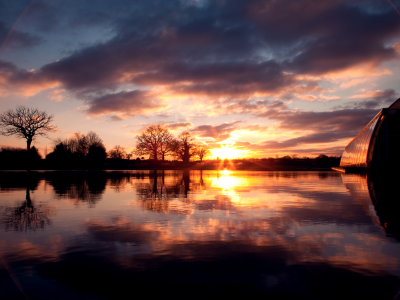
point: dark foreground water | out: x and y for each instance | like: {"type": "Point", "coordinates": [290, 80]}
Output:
{"type": "Point", "coordinates": [198, 234]}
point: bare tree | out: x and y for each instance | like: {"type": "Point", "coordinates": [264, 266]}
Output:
{"type": "Point", "coordinates": [81, 146]}
{"type": "Point", "coordinates": [155, 141]}
{"type": "Point", "coordinates": [93, 139]}
{"type": "Point", "coordinates": [26, 123]}
{"type": "Point", "coordinates": [186, 147]}
{"type": "Point", "coordinates": [117, 152]}
{"type": "Point", "coordinates": [202, 151]}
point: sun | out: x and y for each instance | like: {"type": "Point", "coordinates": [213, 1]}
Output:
{"type": "Point", "coordinates": [227, 152]}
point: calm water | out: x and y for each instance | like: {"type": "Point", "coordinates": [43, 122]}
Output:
{"type": "Point", "coordinates": [181, 234]}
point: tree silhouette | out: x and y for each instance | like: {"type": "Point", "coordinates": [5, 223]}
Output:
{"type": "Point", "coordinates": [202, 151]}
{"type": "Point", "coordinates": [80, 145]}
{"type": "Point", "coordinates": [117, 152]}
{"type": "Point", "coordinates": [186, 147]}
{"type": "Point", "coordinates": [26, 123]}
{"type": "Point", "coordinates": [156, 141]}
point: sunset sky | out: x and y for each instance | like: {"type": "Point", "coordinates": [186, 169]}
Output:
{"type": "Point", "coordinates": [265, 78]}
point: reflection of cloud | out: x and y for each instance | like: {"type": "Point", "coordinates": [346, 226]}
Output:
{"type": "Point", "coordinates": [122, 231]}
{"type": "Point", "coordinates": [290, 233]}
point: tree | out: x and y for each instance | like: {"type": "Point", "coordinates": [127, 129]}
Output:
{"type": "Point", "coordinates": [155, 141]}
{"type": "Point", "coordinates": [96, 150]}
{"type": "Point", "coordinates": [26, 123]}
{"type": "Point", "coordinates": [202, 151]}
{"type": "Point", "coordinates": [186, 147]}
{"type": "Point", "coordinates": [79, 146]}
{"type": "Point", "coordinates": [117, 152]}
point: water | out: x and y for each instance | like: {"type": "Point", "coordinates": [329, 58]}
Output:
{"type": "Point", "coordinates": [196, 234]}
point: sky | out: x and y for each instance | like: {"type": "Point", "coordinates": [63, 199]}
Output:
{"type": "Point", "coordinates": [249, 78]}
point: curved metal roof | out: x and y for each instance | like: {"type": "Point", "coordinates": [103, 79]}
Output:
{"type": "Point", "coordinates": [359, 152]}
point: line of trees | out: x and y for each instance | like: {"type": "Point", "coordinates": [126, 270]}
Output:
{"type": "Point", "coordinates": [80, 146]}
{"type": "Point", "coordinates": [157, 142]}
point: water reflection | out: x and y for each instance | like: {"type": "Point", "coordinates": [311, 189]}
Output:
{"type": "Point", "coordinates": [379, 195]}
{"type": "Point", "coordinates": [278, 235]}
{"type": "Point", "coordinates": [26, 216]}
{"type": "Point", "coordinates": [78, 186]}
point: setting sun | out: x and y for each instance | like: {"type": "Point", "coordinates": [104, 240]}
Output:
{"type": "Point", "coordinates": [227, 152]}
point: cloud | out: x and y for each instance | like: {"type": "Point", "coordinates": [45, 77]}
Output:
{"type": "Point", "coordinates": [178, 125]}
{"type": "Point", "coordinates": [254, 127]}
{"type": "Point", "coordinates": [225, 55]}
{"type": "Point", "coordinates": [23, 82]}
{"type": "Point", "coordinates": [377, 99]}
{"type": "Point", "coordinates": [338, 120]}
{"type": "Point", "coordinates": [376, 94]}
{"type": "Point", "coordinates": [317, 127]}
{"type": "Point", "coordinates": [57, 95]}
{"type": "Point", "coordinates": [353, 82]}
{"type": "Point", "coordinates": [16, 39]}
{"type": "Point", "coordinates": [220, 132]}
{"type": "Point", "coordinates": [315, 138]}
{"type": "Point", "coordinates": [125, 104]}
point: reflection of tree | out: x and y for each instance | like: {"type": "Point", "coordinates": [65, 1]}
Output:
{"type": "Point", "coordinates": [27, 216]}
{"type": "Point", "coordinates": [79, 186]}
{"type": "Point", "coordinates": [156, 194]}
{"type": "Point", "coordinates": [20, 180]}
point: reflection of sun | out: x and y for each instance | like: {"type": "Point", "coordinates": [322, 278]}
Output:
{"type": "Point", "coordinates": [227, 184]}
{"type": "Point", "coordinates": [226, 172]}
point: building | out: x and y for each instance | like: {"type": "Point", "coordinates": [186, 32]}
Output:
{"type": "Point", "coordinates": [378, 144]}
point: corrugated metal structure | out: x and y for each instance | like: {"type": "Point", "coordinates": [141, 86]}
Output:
{"type": "Point", "coordinates": [378, 143]}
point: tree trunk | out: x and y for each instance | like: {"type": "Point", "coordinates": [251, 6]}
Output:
{"type": "Point", "coordinates": [155, 155]}
{"type": "Point", "coordinates": [28, 153]}
{"type": "Point", "coordinates": [28, 144]}
{"type": "Point", "coordinates": [186, 156]}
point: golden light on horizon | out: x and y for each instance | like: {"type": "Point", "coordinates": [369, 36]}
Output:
{"type": "Point", "coordinates": [227, 151]}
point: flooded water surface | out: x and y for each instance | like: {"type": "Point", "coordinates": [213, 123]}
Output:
{"type": "Point", "coordinates": [197, 234]}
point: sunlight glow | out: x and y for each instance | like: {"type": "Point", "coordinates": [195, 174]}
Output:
{"type": "Point", "coordinates": [226, 172]}
{"type": "Point", "coordinates": [226, 151]}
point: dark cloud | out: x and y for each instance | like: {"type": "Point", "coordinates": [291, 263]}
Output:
{"type": "Point", "coordinates": [233, 49]}
{"type": "Point", "coordinates": [239, 54]}
{"type": "Point", "coordinates": [127, 103]}
{"type": "Point", "coordinates": [375, 99]}
{"type": "Point", "coordinates": [345, 120]}
{"type": "Point", "coordinates": [16, 39]}
{"type": "Point", "coordinates": [219, 132]}
{"type": "Point", "coordinates": [318, 127]}
{"type": "Point", "coordinates": [315, 138]}
{"type": "Point", "coordinates": [24, 82]}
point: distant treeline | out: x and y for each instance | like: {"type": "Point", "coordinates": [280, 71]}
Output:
{"type": "Point", "coordinates": [11, 154]}
{"type": "Point", "coordinates": [88, 152]}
